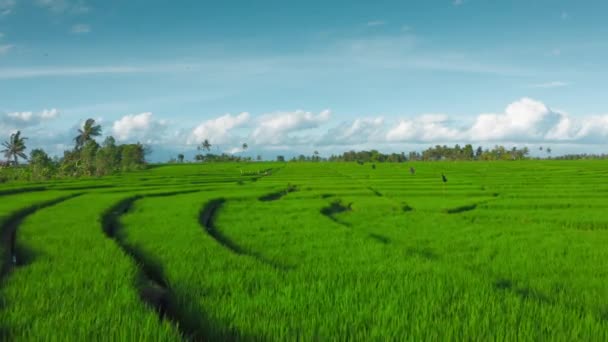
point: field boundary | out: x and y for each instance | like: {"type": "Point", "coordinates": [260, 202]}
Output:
{"type": "Point", "coordinates": [11, 225]}
{"type": "Point", "coordinates": [152, 287]}
{"type": "Point", "coordinates": [206, 220]}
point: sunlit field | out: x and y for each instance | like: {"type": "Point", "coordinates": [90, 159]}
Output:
{"type": "Point", "coordinates": [310, 251]}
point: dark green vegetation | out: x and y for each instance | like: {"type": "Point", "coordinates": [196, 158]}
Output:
{"type": "Point", "coordinates": [315, 251]}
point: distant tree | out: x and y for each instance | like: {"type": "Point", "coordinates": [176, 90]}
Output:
{"type": "Point", "coordinates": [549, 151]}
{"type": "Point", "coordinates": [41, 164]}
{"type": "Point", "coordinates": [205, 146]}
{"type": "Point", "coordinates": [107, 160]}
{"type": "Point", "coordinates": [180, 158]}
{"type": "Point", "coordinates": [88, 132]}
{"type": "Point", "coordinates": [15, 148]}
{"type": "Point", "coordinates": [258, 158]}
{"type": "Point", "coordinates": [132, 156]}
{"type": "Point", "coordinates": [316, 153]}
{"type": "Point", "coordinates": [478, 152]}
{"type": "Point", "coordinates": [88, 158]}
{"type": "Point", "coordinates": [280, 158]}
{"type": "Point", "coordinates": [245, 146]}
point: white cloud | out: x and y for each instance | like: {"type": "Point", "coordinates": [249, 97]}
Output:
{"type": "Point", "coordinates": [276, 128]}
{"type": "Point", "coordinates": [6, 7]}
{"type": "Point", "coordinates": [49, 114]}
{"type": "Point", "coordinates": [426, 128]}
{"type": "Point", "coordinates": [359, 131]}
{"type": "Point", "coordinates": [20, 120]}
{"type": "Point", "coordinates": [218, 130]}
{"type": "Point", "coordinates": [81, 29]}
{"type": "Point", "coordinates": [554, 84]}
{"type": "Point", "coordinates": [523, 119]}
{"type": "Point", "coordinates": [140, 127]}
{"type": "Point", "coordinates": [32, 124]}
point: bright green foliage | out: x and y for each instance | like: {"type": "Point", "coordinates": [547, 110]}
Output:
{"type": "Point", "coordinates": [320, 251]}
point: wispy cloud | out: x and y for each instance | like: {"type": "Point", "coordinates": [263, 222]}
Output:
{"type": "Point", "coordinates": [5, 48]}
{"type": "Point", "coordinates": [66, 71]}
{"type": "Point", "coordinates": [6, 7]}
{"type": "Point", "coordinates": [64, 6]}
{"type": "Point", "coordinates": [457, 2]}
{"type": "Point", "coordinates": [375, 23]}
{"type": "Point", "coordinates": [554, 84]}
{"type": "Point", "coordinates": [81, 29]}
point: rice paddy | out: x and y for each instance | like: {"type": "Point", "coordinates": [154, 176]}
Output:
{"type": "Point", "coordinates": [310, 251]}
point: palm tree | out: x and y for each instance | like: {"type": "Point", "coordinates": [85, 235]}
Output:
{"type": "Point", "coordinates": [180, 158]}
{"type": "Point", "coordinates": [15, 148]}
{"type": "Point", "coordinates": [245, 146]}
{"type": "Point", "coordinates": [205, 146]}
{"type": "Point", "coordinates": [89, 131]}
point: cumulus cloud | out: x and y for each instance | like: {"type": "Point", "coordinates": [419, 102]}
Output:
{"type": "Point", "coordinates": [426, 128]}
{"type": "Point", "coordinates": [523, 120]}
{"type": "Point", "coordinates": [20, 120]}
{"type": "Point", "coordinates": [359, 131]}
{"type": "Point", "coordinates": [81, 29]}
{"type": "Point", "coordinates": [219, 130]}
{"type": "Point", "coordinates": [278, 128]}
{"type": "Point", "coordinates": [141, 127]}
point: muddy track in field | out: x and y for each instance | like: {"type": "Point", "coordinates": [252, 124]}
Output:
{"type": "Point", "coordinates": [206, 220]}
{"type": "Point", "coordinates": [8, 236]}
{"type": "Point", "coordinates": [153, 288]}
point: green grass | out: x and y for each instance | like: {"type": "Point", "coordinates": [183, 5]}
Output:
{"type": "Point", "coordinates": [503, 250]}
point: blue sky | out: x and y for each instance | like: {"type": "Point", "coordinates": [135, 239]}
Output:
{"type": "Point", "coordinates": [293, 77]}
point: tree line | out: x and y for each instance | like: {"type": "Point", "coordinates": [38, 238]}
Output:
{"type": "Point", "coordinates": [87, 158]}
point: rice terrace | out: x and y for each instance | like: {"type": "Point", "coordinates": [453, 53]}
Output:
{"type": "Point", "coordinates": [303, 170]}
{"type": "Point", "coordinates": [310, 251]}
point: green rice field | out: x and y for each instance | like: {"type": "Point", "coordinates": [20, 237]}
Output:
{"type": "Point", "coordinates": [310, 251]}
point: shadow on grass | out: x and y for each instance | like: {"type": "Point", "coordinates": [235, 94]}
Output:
{"type": "Point", "coordinates": [206, 220]}
{"type": "Point", "coordinates": [153, 288]}
{"type": "Point", "coordinates": [21, 190]}
{"type": "Point", "coordinates": [380, 238]}
{"type": "Point", "coordinates": [277, 195]}
{"type": "Point", "coordinates": [8, 237]}
{"type": "Point", "coordinates": [336, 207]}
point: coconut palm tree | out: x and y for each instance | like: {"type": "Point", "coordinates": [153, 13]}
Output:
{"type": "Point", "coordinates": [15, 148]}
{"type": "Point", "coordinates": [88, 132]}
{"type": "Point", "coordinates": [245, 146]}
{"type": "Point", "coordinates": [205, 146]}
